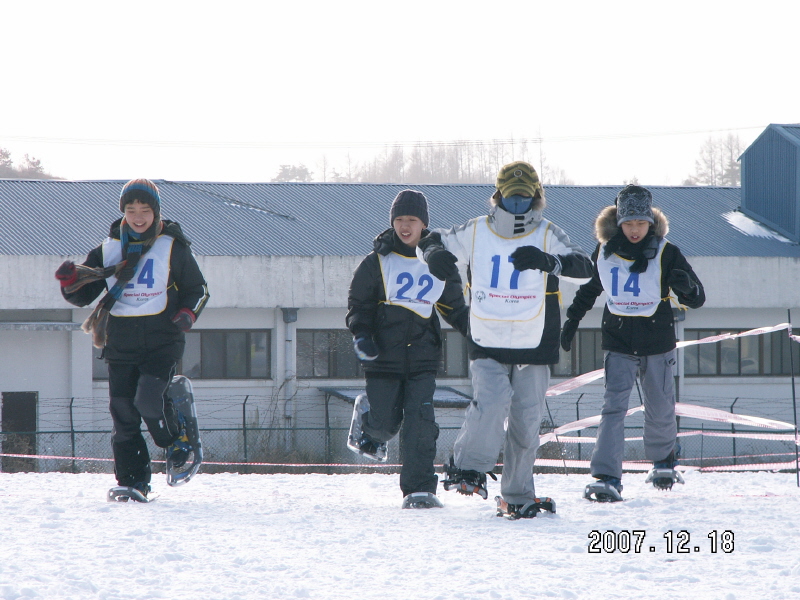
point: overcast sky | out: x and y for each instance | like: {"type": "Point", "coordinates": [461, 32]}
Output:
{"type": "Point", "coordinates": [228, 91]}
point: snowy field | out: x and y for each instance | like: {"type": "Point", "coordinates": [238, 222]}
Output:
{"type": "Point", "coordinates": [248, 537]}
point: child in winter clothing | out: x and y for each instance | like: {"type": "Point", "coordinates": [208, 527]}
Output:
{"type": "Point", "coordinates": [398, 338]}
{"type": "Point", "coordinates": [514, 258]}
{"type": "Point", "coordinates": [154, 292]}
{"type": "Point", "coordinates": [636, 266]}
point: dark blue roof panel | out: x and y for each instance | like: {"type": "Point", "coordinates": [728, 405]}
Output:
{"type": "Point", "coordinates": [54, 217]}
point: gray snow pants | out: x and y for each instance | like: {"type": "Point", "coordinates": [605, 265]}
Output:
{"type": "Point", "coordinates": [660, 427]}
{"type": "Point", "coordinates": [515, 392]}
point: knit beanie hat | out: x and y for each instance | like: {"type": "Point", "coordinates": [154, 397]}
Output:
{"type": "Point", "coordinates": [409, 203]}
{"type": "Point", "coordinates": [634, 203]}
{"type": "Point", "coordinates": [143, 190]}
{"type": "Point", "coordinates": [519, 178]}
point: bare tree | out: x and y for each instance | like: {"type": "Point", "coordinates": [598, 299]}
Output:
{"type": "Point", "coordinates": [718, 162]}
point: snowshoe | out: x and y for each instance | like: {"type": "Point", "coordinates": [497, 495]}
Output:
{"type": "Point", "coordinates": [122, 493]}
{"type": "Point", "coordinates": [524, 511]}
{"type": "Point", "coordinates": [185, 455]}
{"type": "Point", "coordinates": [422, 500]}
{"type": "Point", "coordinates": [357, 440]}
{"type": "Point", "coordinates": [664, 478]}
{"type": "Point", "coordinates": [606, 489]}
{"type": "Point", "coordinates": [663, 475]}
{"type": "Point", "coordinates": [465, 482]}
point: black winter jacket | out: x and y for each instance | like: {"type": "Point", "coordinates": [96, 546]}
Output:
{"type": "Point", "coordinates": [134, 339]}
{"type": "Point", "coordinates": [638, 336]}
{"type": "Point", "coordinates": [407, 342]}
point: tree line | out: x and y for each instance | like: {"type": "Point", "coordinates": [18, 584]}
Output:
{"type": "Point", "coordinates": [31, 168]}
{"type": "Point", "coordinates": [478, 162]}
{"type": "Point", "coordinates": [447, 162]}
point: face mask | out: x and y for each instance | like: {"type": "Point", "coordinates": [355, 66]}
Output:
{"type": "Point", "coordinates": [516, 204]}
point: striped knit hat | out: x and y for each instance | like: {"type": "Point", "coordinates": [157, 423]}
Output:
{"type": "Point", "coordinates": [143, 190]}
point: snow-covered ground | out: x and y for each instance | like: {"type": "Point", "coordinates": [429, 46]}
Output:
{"type": "Point", "coordinates": [230, 536]}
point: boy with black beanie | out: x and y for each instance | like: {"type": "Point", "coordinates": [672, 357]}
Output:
{"type": "Point", "coordinates": [154, 292]}
{"type": "Point", "coordinates": [637, 267]}
{"type": "Point", "coordinates": [397, 337]}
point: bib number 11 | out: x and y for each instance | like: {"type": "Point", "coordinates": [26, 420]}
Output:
{"type": "Point", "coordinates": [631, 284]}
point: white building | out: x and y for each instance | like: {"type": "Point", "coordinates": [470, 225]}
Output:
{"type": "Point", "coordinates": [278, 258]}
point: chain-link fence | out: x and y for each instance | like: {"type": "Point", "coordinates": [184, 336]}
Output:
{"type": "Point", "coordinates": [247, 434]}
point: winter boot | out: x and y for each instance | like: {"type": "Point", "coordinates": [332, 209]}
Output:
{"type": "Point", "coordinates": [527, 510]}
{"type": "Point", "coordinates": [606, 489]}
{"type": "Point", "coordinates": [465, 482]}
{"type": "Point", "coordinates": [358, 441]}
{"type": "Point", "coordinates": [663, 475]}
{"type": "Point", "coordinates": [422, 500]}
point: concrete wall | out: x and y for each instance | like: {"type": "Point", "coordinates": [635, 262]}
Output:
{"type": "Point", "coordinates": [249, 291]}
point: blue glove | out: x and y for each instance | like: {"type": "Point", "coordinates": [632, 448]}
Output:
{"type": "Point", "coordinates": [365, 348]}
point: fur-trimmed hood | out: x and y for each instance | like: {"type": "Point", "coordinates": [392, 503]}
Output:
{"type": "Point", "coordinates": [605, 227]}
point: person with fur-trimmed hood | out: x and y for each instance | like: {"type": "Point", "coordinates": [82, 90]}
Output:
{"type": "Point", "coordinates": [152, 293]}
{"type": "Point", "coordinates": [393, 313]}
{"type": "Point", "coordinates": [637, 267]}
{"type": "Point", "coordinates": [514, 258]}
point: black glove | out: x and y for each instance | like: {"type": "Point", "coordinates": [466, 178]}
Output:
{"type": "Point", "coordinates": [568, 333]}
{"type": "Point", "coordinates": [530, 257]}
{"type": "Point", "coordinates": [442, 264]}
{"type": "Point", "coordinates": [680, 281]}
{"type": "Point", "coordinates": [67, 273]}
{"type": "Point", "coordinates": [365, 348]}
{"type": "Point", "coordinates": [184, 319]}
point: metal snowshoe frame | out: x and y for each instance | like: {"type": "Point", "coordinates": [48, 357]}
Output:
{"type": "Point", "coordinates": [602, 491]}
{"type": "Point", "coordinates": [422, 500]}
{"type": "Point", "coordinates": [123, 493]}
{"type": "Point", "coordinates": [361, 406]}
{"type": "Point", "coordinates": [465, 482]}
{"type": "Point", "coordinates": [182, 395]}
{"type": "Point", "coordinates": [529, 510]}
{"type": "Point", "coordinates": [664, 478]}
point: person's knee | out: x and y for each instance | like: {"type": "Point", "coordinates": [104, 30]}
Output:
{"type": "Point", "coordinates": [149, 400]}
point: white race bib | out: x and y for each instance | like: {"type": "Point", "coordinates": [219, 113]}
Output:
{"type": "Point", "coordinates": [507, 306]}
{"type": "Point", "coordinates": [631, 294]}
{"type": "Point", "coordinates": [146, 292]}
{"type": "Point", "coordinates": [407, 282]}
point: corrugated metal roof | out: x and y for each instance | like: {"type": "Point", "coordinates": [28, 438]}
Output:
{"type": "Point", "coordinates": [53, 217]}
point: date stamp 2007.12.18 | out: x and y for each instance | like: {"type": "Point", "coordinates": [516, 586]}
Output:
{"type": "Point", "coordinates": [670, 542]}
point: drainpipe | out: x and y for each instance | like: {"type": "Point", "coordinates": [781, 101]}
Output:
{"type": "Point", "coordinates": [289, 360]}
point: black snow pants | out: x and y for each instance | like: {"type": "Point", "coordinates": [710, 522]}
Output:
{"type": "Point", "coordinates": [396, 401]}
{"type": "Point", "coordinates": [138, 392]}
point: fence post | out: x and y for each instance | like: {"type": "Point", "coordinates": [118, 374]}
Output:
{"type": "Point", "coordinates": [733, 431]}
{"type": "Point", "coordinates": [702, 441]}
{"type": "Point", "coordinates": [244, 425]}
{"type": "Point", "coordinates": [72, 433]}
{"type": "Point", "coordinates": [578, 418]}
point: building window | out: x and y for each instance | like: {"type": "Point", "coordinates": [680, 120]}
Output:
{"type": "Point", "coordinates": [585, 356]}
{"type": "Point", "coordinates": [328, 354]}
{"type": "Point", "coordinates": [455, 362]}
{"type": "Point", "coordinates": [232, 354]}
{"type": "Point", "coordinates": [748, 356]}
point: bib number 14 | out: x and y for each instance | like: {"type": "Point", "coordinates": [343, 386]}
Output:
{"type": "Point", "coordinates": [631, 284]}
